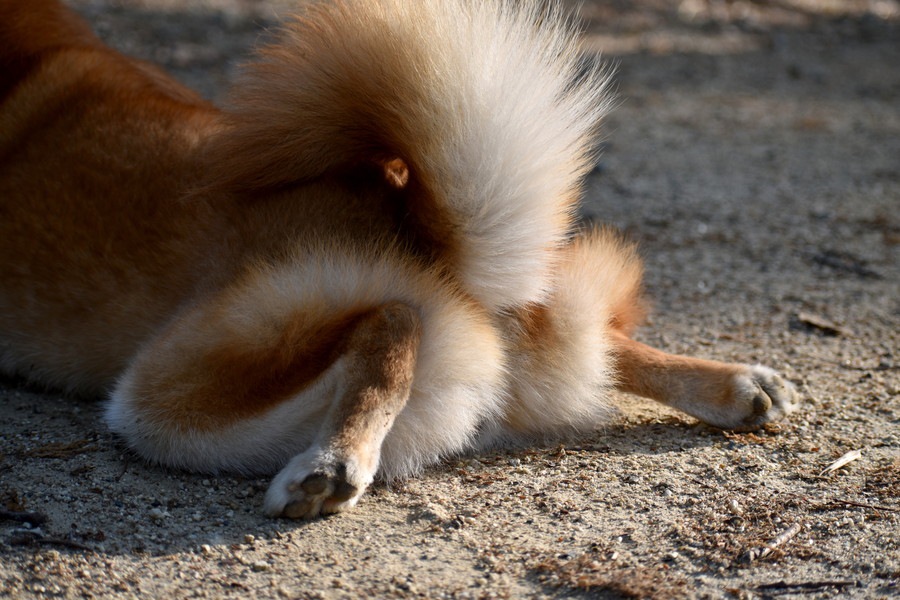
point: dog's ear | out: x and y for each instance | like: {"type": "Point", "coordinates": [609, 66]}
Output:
{"type": "Point", "coordinates": [396, 172]}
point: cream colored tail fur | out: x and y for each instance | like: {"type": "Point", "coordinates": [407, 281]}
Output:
{"type": "Point", "coordinates": [488, 103]}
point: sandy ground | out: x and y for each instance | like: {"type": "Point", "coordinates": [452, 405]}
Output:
{"type": "Point", "coordinates": [756, 158]}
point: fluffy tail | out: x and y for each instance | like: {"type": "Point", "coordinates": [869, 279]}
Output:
{"type": "Point", "coordinates": [487, 103]}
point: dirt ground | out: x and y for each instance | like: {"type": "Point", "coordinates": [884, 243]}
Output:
{"type": "Point", "coordinates": [755, 156]}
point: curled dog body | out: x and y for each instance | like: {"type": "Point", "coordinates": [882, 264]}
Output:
{"type": "Point", "coordinates": [367, 262]}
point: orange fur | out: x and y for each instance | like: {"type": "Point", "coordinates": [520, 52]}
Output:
{"type": "Point", "coordinates": [360, 268]}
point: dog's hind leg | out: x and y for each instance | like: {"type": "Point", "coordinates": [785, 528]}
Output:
{"type": "Point", "coordinates": [377, 368]}
{"type": "Point", "coordinates": [326, 370]}
{"type": "Point", "coordinates": [726, 395]}
{"type": "Point", "coordinates": [224, 390]}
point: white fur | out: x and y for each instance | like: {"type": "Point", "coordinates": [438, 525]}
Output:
{"type": "Point", "coordinates": [490, 109]}
{"type": "Point", "coordinates": [478, 97]}
{"type": "Point", "coordinates": [458, 381]}
{"type": "Point", "coordinates": [316, 459]}
{"type": "Point", "coordinates": [259, 445]}
{"type": "Point", "coordinates": [562, 385]}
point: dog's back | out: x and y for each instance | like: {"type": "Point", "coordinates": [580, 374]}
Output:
{"type": "Point", "coordinates": [95, 149]}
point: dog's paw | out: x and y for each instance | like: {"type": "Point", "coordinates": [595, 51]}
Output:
{"type": "Point", "coordinates": [312, 485]}
{"type": "Point", "coordinates": [760, 396]}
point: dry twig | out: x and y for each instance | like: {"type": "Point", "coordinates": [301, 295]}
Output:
{"type": "Point", "coordinates": [862, 505]}
{"type": "Point", "coordinates": [63, 449]}
{"type": "Point", "coordinates": [805, 585]}
{"type": "Point", "coordinates": [811, 321]}
{"type": "Point", "coordinates": [35, 518]}
{"type": "Point", "coordinates": [26, 539]}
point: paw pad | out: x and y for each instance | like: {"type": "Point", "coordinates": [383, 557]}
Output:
{"type": "Point", "coordinates": [297, 493]}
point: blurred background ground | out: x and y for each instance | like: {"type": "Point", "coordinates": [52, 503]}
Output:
{"type": "Point", "coordinates": [755, 156]}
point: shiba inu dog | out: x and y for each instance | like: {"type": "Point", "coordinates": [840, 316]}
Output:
{"type": "Point", "coordinates": [366, 263]}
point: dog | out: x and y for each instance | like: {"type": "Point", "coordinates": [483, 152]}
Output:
{"type": "Point", "coordinates": [366, 263]}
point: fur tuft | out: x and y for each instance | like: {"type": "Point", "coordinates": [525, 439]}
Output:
{"type": "Point", "coordinates": [176, 404]}
{"type": "Point", "coordinates": [562, 364]}
{"type": "Point", "coordinates": [489, 105]}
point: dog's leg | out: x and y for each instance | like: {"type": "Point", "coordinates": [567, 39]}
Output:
{"type": "Point", "coordinates": [302, 369]}
{"type": "Point", "coordinates": [342, 461]}
{"type": "Point", "coordinates": [569, 353]}
{"type": "Point", "coordinates": [730, 396]}
{"type": "Point", "coordinates": [224, 389]}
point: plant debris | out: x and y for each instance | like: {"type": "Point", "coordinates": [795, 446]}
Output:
{"type": "Point", "coordinates": [843, 461]}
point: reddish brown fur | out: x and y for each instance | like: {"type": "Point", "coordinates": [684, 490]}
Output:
{"type": "Point", "coordinates": [35, 30]}
{"type": "Point", "coordinates": [235, 380]}
{"type": "Point", "coordinates": [112, 201]}
{"type": "Point", "coordinates": [122, 213]}
{"type": "Point", "coordinates": [385, 343]}
{"type": "Point", "coordinates": [136, 218]}
{"type": "Point", "coordinates": [655, 374]}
